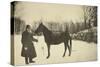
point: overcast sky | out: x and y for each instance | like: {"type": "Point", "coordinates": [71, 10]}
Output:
{"type": "Point", "coordinates": [30, 12]}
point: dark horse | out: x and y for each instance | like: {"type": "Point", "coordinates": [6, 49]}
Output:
{"type": "Point", "coordinates": [51, 38]}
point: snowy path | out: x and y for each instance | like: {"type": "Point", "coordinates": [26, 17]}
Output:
{"type": "Point", "coordinates": [81, 51]}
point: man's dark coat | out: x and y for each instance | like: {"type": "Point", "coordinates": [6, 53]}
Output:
{"type": "Point", "coordinates": [26, 40]}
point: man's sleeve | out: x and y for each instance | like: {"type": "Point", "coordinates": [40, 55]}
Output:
{"type": "Point", "coordinates": [34, 39]}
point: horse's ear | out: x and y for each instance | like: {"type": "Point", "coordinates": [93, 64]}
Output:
{"type": "Point", "coordinates": [41, 23]}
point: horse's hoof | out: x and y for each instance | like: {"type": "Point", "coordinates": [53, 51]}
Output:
{"type": "Point", "coordinates": [69, 55]}
{"type": "Point", "coordinates": [47, 57]}
{"type": "Point", "coordinates": [63, 55]}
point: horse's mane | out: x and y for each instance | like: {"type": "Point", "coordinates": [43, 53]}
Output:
{"type": "Point", "coordinates": [46, 29]}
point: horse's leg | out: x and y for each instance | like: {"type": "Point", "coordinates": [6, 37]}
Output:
{"type": "Point", "coordinates": [65, 45]}
{"type": "Point", "coordinates": [70, 46]}
{"type": "Point", "coordinates": [48, 45]}
{"type": "Point", "coordinates": [69, 50]}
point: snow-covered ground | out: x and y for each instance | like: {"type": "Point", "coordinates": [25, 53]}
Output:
{"type": "Point", "coordinates": [81, 51]}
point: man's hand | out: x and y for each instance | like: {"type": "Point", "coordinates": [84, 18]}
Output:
{"type": "Point", "coordinates": [36, 40]}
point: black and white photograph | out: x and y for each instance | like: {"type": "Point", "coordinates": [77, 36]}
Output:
{"type": "Point", "coordinates": [50, 33]}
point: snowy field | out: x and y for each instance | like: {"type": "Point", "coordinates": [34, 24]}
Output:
{"type": "Point", "coordinates": [81, 51]}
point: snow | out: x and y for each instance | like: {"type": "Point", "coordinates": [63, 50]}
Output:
{"type": "Point", "coordinates": [81, 51]}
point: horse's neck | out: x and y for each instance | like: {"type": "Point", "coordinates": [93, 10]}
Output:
{"type": "Point", "coordinates": [46, 32]}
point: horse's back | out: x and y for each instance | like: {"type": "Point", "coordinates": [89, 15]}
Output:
{"type": "Point", "coordinates": [56, 38]}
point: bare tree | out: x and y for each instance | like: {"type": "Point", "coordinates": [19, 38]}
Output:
{"type": "Point", "coordinates": [19, 25]}
{"type": "Point", "coordinates": [89, 16]}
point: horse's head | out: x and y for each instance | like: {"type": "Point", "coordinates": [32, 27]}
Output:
{"type": "Point", "coordinates": [40, 28]}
